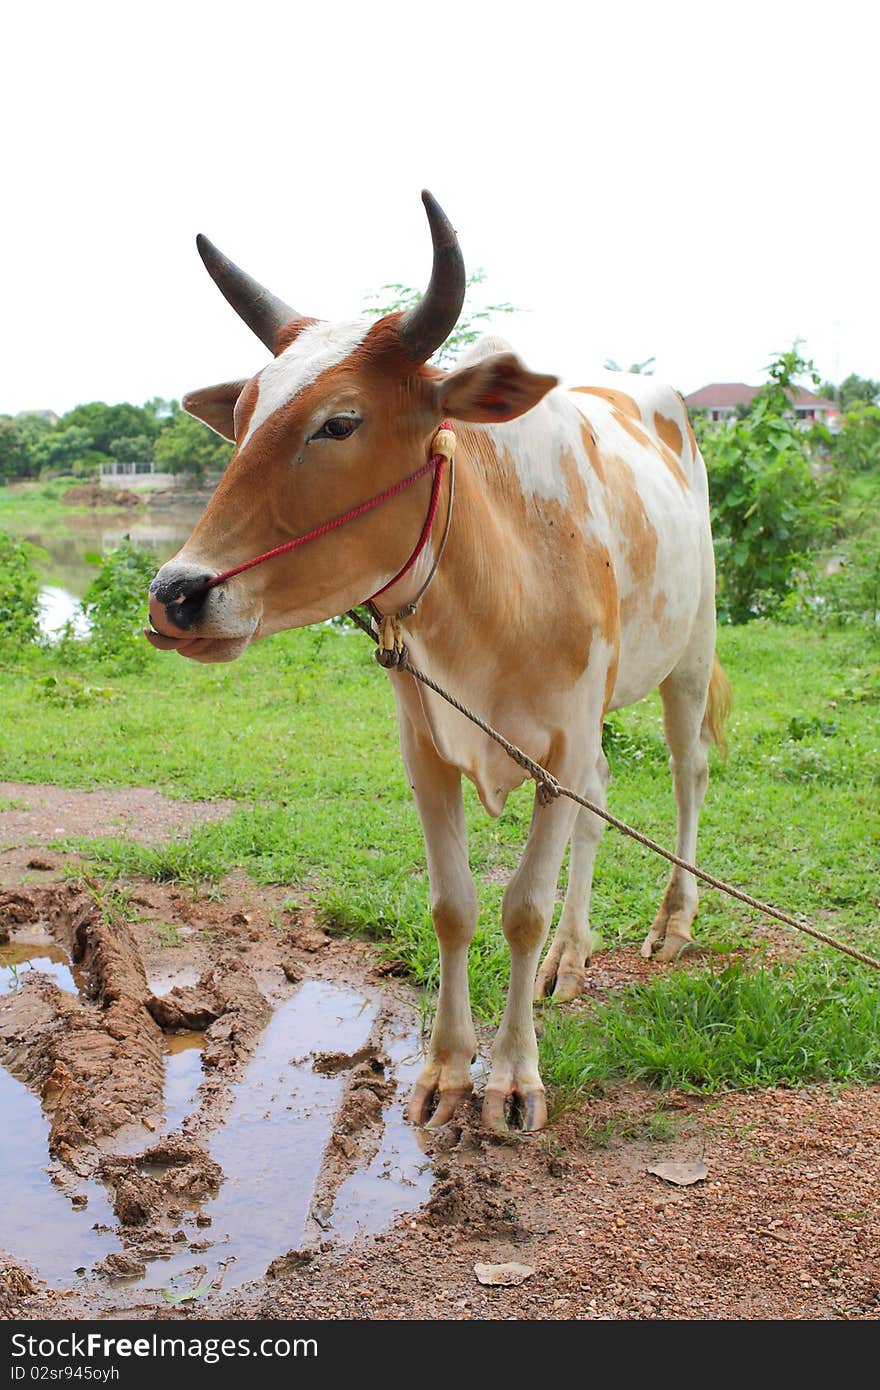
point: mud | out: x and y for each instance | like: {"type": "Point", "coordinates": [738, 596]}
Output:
{"type": "Point", "coordinates": [96, 1059]}
{"type": "Point", "coordinates": [158, 1086]}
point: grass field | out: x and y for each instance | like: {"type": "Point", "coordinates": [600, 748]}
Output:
{"type": "Point", "coordinates": [301, 733]}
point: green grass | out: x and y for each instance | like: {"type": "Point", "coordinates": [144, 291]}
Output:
{"type": "Point", "coordinates": [301, 734]}
{"type": "Point", "coordinates": [816, 1018]}
{"type": "Point", "coordinates": [29, 505]}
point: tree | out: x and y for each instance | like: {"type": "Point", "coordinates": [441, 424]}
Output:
{"type": "Point", "coordinates": [188, 446]}
{"type": "Point", "coordinates": [104, 423]}
{"type": "Point", "coordinates": [470, 324]}
{"type": "Point", "coordinates": [135, 448]}
{"type": "Point", "coordinates": [767, 506]}
{"type": "Point", "coordinates": [13, 454]}
{"type": "Point", "coordinates": [160, 409]}
{"type": "Point", "coordinates": [853, 390]}
{"type": "Point", "coordinates": [857, 442]}
{"type": "Point", "coordinates": [639, 368]}
{"type": "Point", "coordinates": [60, 450]}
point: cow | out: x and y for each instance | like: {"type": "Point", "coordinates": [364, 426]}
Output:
{"type": "Point", "coordinates": [577, 576]}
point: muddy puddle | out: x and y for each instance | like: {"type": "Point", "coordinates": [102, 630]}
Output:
{"type": "Point", "coordinates": [185, 1127]}
{"type": "Point", "coordinates": [35, 952]}
{"type": "Point", "coordinates": [184, 1075]}
{"type": "Point", "coordinates": [273, 1144]}
{"type": "Point", "coordinates": [39, 1223]}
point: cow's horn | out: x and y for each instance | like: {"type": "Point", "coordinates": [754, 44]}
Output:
{"type": "Point", "coordinates": [430, 322]}
{"type": "Point", "coordinates": [263, 313]}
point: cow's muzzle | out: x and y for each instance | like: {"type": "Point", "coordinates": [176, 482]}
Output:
{"type": "Point", "coordinates": [177, 600]}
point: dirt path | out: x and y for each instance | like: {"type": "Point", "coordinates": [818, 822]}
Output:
{"type": "Point", "coordinates": [213, 1090]}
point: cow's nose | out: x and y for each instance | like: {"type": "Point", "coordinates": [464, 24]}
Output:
{"type": "Point", "coordinates": [178, 599]}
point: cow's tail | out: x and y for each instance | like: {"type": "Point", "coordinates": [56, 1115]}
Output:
{"type": "Point", "coordinates": [718, 706]}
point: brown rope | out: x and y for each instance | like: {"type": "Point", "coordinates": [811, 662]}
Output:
{"type": "Point", "coordinates": [549, 789]}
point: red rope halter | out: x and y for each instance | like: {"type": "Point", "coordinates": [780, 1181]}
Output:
{"type": "Point", "coordinates": [435, 462]}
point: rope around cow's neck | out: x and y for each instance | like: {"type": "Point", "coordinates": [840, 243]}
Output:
{"type": "Point", "coordinates": [549, 789]}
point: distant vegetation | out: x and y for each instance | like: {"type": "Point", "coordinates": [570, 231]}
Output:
{"type": "Point", "coordinates": [37, 444]}
{"type": "Point", "coordinates": [794, 509]}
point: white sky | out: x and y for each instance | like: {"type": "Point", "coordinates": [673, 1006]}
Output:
{"type": "Point", "coordinates": [696, 182]}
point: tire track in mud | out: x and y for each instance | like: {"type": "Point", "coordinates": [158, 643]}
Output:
{"type": "Point", "coordinates": [97, 1062]}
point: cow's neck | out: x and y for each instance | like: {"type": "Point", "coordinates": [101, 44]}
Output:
{"type": "Point", "coordinates": [471, 629]}
{"type": "Point", "coordinates": [476, 590]}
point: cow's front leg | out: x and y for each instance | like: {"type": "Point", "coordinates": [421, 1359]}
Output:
{"type": "Point", "coordinates": [514, 1090]}
{"type": "Point", "coordinates": [445, 1080]}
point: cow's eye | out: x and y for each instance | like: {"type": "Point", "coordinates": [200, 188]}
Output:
{"type": "Point", "coordinates": [337, 427]}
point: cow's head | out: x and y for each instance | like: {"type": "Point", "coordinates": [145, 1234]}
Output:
{"type": "Point", "coordinates": [342, 412]}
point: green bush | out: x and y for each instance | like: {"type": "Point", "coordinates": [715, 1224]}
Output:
{"type": "Point", "coordinates": [768, 507]}
{"type": "Point", "coordinates": [19, 593]}
{"type": "Point", "coordinates": [857, 444]}
{"type": "Point", "coordinates": [115, 604]}
{"type": "Point", "coordinates": [852, 594]}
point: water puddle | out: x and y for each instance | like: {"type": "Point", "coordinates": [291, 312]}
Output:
{"type": "Point", "coordinates": [398, 1179]}
{"type": "Point", "coordinates": [183, 1077]}
{"type": "Point", "coordinates": [275, 1143]}
{"type": "Point", "coordinates": [272, 1144]}
{"type": "Point", "coordinates": [58, 608]}
{"type": "Point", "coordinates": [37, 1221]}
{"type": "Point", "coordinates": [31, 952]}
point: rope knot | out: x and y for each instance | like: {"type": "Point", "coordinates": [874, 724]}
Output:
{"type": "Point", "coordinates": [390, 646]}
{"type": "Point", "coordinates": [548, 790]}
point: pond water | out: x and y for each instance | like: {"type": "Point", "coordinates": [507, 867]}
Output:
{"type": "Point", "coordinates": [68, 541]}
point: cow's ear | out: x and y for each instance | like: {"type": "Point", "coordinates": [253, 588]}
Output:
{"type": "Point", "coordinates": [215, 405]}
{"type": "Point", "coordinates": [497, 388]}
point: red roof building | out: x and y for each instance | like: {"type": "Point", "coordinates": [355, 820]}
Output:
{"type": "Point", "coordinates": [721, 399]}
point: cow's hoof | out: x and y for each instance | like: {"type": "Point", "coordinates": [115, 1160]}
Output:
{"type": "Point", "coordinates": [546, 979]}
{"type": "Point", "coordinates": [431, 1107]}
{"type": "Point", "coordinates": [570, 984]}
{"type": "Point", "coordinates": [673, 947]}
{"type": "Point", "coordinates": [564, 982]}
{"type": "Point", "coordinates": [518, 1109]}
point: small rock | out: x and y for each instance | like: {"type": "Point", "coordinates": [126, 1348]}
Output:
{"type": "Point", "coordinates": [123, 1264]}
{"type": "Point", "coordinates": [286, 1264]}
{"type": "Point", "coordinates": [79, 1201]}
{"type": "Point", "coordinates": [682, 1174]}
{"type": "Point", "coordinates": [17, 1281]}
{"type": "Point", "coordinates": [309, 939]}
{"type": "Point", "coordinates": [504, 1276]}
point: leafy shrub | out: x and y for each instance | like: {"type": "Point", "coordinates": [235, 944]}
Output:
{"type": "Point", "coordinates": [19, 593]}
{"type": "Point", "coordinates": [768, 509]}
{"type": "Point", "coordinates": [857, 444]}
{"type": "Point", "coordinates": [852, 595]}
{"type": "Point", "coordinates": [70, 690]}
{"type": "Point", "coordinates": [115, 604]}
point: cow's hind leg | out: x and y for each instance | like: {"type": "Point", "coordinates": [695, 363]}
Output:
{"type": "Point", "coordinates": [684, 695]}
{"type": "Point", "coordinates": [445, 1080]}
{"type": "Point", "coordinates": [562, 971]}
